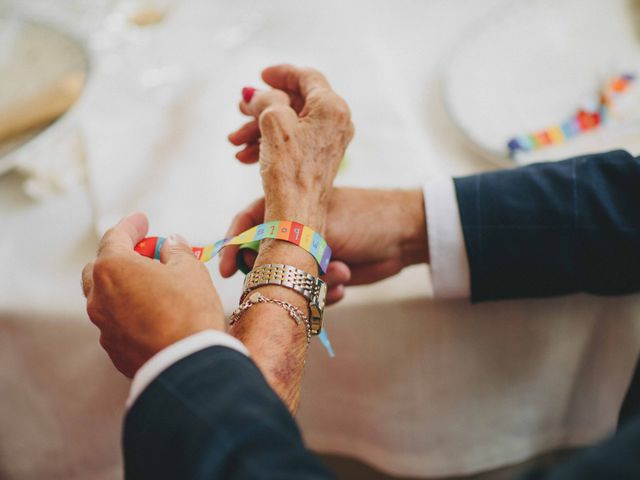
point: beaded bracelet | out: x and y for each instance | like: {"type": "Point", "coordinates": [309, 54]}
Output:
{"type": "Point", "coordinates": [286, 230]}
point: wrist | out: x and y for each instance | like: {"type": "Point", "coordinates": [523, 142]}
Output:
{"type": "Point", "coordinates": [312, 215]}
{"type": "Point", "coordinates": [295, 202]}
{"type": "Point", "coordinates": [281, 252]}
{"type": "Point", "coordinates": [277, 344]}
{"type": "Point", "coordinates": [413, 238]}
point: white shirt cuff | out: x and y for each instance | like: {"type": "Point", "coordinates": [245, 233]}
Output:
{"type": "Point", "coordinates": [176, 352]}
{"type": "Point", "coordinates": [448, 256]}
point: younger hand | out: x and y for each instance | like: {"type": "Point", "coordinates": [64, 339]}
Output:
{"type": "Point", "coordinates": [373, 234]}
{"type": "Point", "coordinates": [142, 306]}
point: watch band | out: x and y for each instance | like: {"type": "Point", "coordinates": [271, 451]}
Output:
{"type": "Point", "coordinates": [311, 288]}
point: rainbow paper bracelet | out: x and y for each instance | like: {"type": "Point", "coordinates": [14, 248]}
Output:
{"type": "Point", "coordinates": [584, 120]}
{"type": "Point", "coordinates": [291, 232]}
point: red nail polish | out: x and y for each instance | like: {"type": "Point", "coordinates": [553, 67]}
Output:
{"type": "Point", "coordinates": [247, 93]}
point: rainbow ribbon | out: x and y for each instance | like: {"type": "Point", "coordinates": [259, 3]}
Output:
{"type": "Point", "coordinates": [291, 232]}
{"type": "Point", "coordinates": [288, 231]}
{"type": "Point", "coordinates": [583, 120]}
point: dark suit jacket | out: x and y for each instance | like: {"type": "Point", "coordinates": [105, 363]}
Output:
{"type": "Point", "coordinates": [213, 416]}
{"type": "Point", "coordinates": [553, 228]}
{"type": "Point", "coordinates": [548, 229]}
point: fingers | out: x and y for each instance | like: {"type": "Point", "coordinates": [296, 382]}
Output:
{"type": "Point", "coordinates": [295, 79]}
{"type": "Point", "coordinates": [250, 217]}
{"type": "Point", "coordinates": [176, 250]}
{"type": "Point", "coordinates": [275, 115]}
{"type": "Point", "coordinates": [320, 101]}
{"type": "Point", "coordinates": [338, 274]}
{"type": "Point", "coordinates": [248, 133]}
{"type": "Point", "coordinates": [87, 279]}
{"type": "Point", "coordinates": [249, 257]}
{"type": "Point", "coordinates": [264, 99]}
{"type": "Point", "coordinates": [125, 235]}
{"type": "Point", "coordinates": [335, 294]}
{"type": "Point", "coordinates": [296, 100]}
{"type": "Point", "coordinates": [250, 154]}
{"type": "Point", "coordinates": [366, 273]}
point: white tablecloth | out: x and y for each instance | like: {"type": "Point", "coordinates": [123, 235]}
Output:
{"type": "Point", "coordinates": [418, 387]}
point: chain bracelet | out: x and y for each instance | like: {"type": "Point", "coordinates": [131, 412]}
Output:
{"type": "Point", "coordinates": [293, 311]}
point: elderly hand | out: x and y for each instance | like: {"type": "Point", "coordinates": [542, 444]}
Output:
{"type": "Point", "coordinates": [142, 306]}
{"type": "Point", "coordinates": [373, 233]}
{"type": "Point", "coordinates": [300, 132]}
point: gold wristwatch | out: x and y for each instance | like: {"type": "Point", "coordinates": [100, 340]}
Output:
{"type": "Point", "coordinates": [311, 288]}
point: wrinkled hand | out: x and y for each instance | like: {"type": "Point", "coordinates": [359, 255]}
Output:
{"type": "Point", "coordinates": [373, 234]}
{"type": "Point", "coordinates": [299, 134]}
{"type": "Point", "coordinates": [142, 306]}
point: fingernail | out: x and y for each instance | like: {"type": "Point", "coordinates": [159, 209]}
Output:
{"type": "Point", "coordinates": [247, 93]}
{"type": "Point", "coordinates": [175, 239]}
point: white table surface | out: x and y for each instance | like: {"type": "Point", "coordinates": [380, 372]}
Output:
{"type": "Point", "coordinates": [419, 387]}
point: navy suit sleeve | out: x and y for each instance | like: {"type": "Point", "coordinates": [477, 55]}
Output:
{"type": "Point", "coordinates": [553, 228]}
{"type": "Point", "coordinates": [213, 416]}
{"type": "Point", "coordinates": [617, 458]}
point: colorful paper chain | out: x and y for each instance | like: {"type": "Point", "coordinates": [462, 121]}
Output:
{"type": "Point", "coordinates": [288, 231]}
{"type": "Point", "coordinates": [582, 121]}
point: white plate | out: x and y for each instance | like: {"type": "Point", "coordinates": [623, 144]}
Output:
{"type": "Point", "coordinates": [532, 64]}
{"type": "Point", "coordinates": [33, 56]}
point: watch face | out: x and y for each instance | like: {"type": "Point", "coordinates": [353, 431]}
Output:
{"type": "Point", "coordinates": [322, 295]}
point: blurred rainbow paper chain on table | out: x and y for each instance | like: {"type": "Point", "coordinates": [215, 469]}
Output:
{"type": "Point", "coordinates": [585, 119]}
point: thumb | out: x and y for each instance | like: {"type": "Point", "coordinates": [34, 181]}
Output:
{"type": "Point", "coordinates": [176, 250]}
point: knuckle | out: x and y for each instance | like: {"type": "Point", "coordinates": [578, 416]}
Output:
{"type": "Point", "coordinates": [104, 269]}
{"type": "Point", "coordinates": [272, 118]}
{"type": "Point", "coordinates": [272, 98]}
{"type": "Point", "coordinates": [313, 74]}
{"type": "Point", "coordinates": [321, 105]}
{"type": "Point", "coordinates": [86, 277]}
{"type": "Point", "coordinates": [279, 96]}
{"type": "Point", "coordinates": [351, 130]}
{"type": "Point", "coordinates": [93, 310]}
{"type": "Point", "coordinates": [310, 71]}
{"type": "Point", "coordinates": [273, 112]}
{"type": "Point", "coordinates": [269, 116]}
{"type": "Point", "coordinates": [88, 266]}
{"type": "Point", "coordinates": [333, 106]}
{"type": "Point", "coordinates": [341, 110]}
{"type": "Point", "coordinates": [237, 218]}
{"type": "Point", "coordinates": [181, 250]}
{"type": "Point", "coordinates": [106, 239]}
